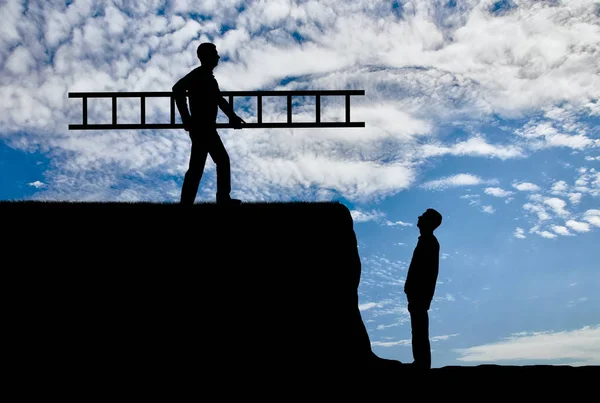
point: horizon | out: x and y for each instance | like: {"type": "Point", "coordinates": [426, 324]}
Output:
{"type": "Point", "coordinates": [487, 111]}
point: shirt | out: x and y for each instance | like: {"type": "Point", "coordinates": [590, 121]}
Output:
{"type": "Point", "coordinates": [205, 98]}
{"type": "Point", "coordinates": [423, 270]}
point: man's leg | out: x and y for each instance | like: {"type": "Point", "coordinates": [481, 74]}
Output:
{"type": "Point", "coordinates": [192, 177]}
{"type": "Point", "coordinates": [221, 159]}
{"type": "Point", "coordinates": [419, 323]}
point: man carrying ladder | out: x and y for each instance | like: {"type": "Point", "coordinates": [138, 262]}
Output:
{"type": "Point", "coordinates": [200, 122]}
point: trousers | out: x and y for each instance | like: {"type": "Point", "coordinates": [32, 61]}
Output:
{"type": "Point", "coordinates": [419, 324]}
{"type": "Point", "coordinates": [203, 144]}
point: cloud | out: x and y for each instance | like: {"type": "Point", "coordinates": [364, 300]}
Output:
{"type": "Point", "coordinates": [559, 127]}
{"type": "Point", "coordinates": [578, 141]}
{"type": "Point", "coordinates": [578, 226]}
{"type": "Point", "coordinates": [472, 198]}
{"type": "Point", "coordinates": [366, 306]}
{"type": "Point", "coordinates": [475, 146]}
{"type": "Point", "coordinates": [407, 342]}
{"type": "Point", "coordinates": [575, 198]}
{"type": "Point", "coordinates": [365, 216]}
{"type": "Point", "coordinates": [557, 205]}
{"type": "Point", "coordinates": [592, 216]}
{"type": "Point", "coordinates": [588, 181]}
{"type": "Point", "coordinates": [550, 137]}
{"type": "Point", "coordinates": [580, 346]}
{"type": "Point", "coordinates": [546, 234]}
{"type": "Point", "coordinates": [519, 233]}
{"type": "Point", "coordinates": [551, 211]}
{"type": "Point", "coordinates": [443, 337]}
{"type": "Point", "coordinates": [578, 301]}
{"type": "Point", "coordinates": [536, 197]}
{"type": "Point", "coordinates": [559, 187]}
{"type": "Point", "coordinates": [37, 184]}
{"type": "Point", "coordinates": [498, 192]}
{"type": "Point", "coordinates": [539, 210]}
{"type": "Point", "coordinates": [488, 209]}
{"type": "Point", "coordinates": [526, 187]}
{"type": "Point", "coordinates": [455, 181]}
{"type": "Point", "coordinates": [561, 230]}
{"type": "Point", "coordinates": [447, 297]}
{"type": "Point", "coordinates": [396, 223]}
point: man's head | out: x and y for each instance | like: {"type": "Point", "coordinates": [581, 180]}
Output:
{"type": "Point", "coordinates": [429, 220]}
{"type": "Point", "coordinates": [208, 55]}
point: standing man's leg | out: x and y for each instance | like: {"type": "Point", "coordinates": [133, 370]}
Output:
{"type": "Point", "coordinates": [191, 180]}
{"type": "Point", "coordinates": [221, 159]}
{"type": "Point", "coordinates": [419, 323]}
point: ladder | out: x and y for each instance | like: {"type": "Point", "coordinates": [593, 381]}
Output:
{"type": "Point", "coordinates": [115, 125]}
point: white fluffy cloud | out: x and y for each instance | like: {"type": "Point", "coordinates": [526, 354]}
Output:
{"type": "Point", "coordinates": [498, 192]}
{"type": "Point", "coordinates": [578, 226]}
{"type": "Point", "coordinates": [550, 213]}
{"type": "Point", "coordinates": [557, 205]}
{"type": "Point", "coordinates": [37, 184]}
{"type": "Point", "coordinates": [575, 198]}
{"type": "Point", "coordinates": [539, 210]}
{"type": "Point", "coordinates": [561, 230]}
{"type": "Point", "coordinates": [365, 216]}
{"type": "Point", "coordinates": [579, 347]}
{"type": "Point", "coordinates": [559, 187]}
{"type": "Point", "coordinates": [592, 216]}
{"type": "Point", "coordinates": [519, 233]}
{"type": "Point", "coordinates": [546, 234]}
{"type": "Point", "coordinates": [526, 187]}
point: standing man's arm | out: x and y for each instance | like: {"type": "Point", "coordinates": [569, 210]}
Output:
{"type": "Point", "coordinates": [179, 92]}
{"type": "Point", "coordinates": [432, 262]}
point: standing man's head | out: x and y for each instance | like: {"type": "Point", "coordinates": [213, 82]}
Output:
{"type": "Point", "coordinates": [429, 221]}
{"type": "Point", "coordinates": [208, 55]}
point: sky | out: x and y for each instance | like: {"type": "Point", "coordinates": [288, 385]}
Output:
{"type": "Point", "coordinates": [487, 111]}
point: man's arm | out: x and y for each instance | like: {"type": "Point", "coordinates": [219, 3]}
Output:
{"type": "Point", "coordinates": [228, 110]}
{"type": "Point", "coordinates": [226, 107]}
{"type": "Point", "coordinates": [179, 91]}
{"type": "Point", "coordinates": [433, 262]}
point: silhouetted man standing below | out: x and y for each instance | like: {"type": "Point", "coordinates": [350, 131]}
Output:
{"type": "Point", "coordinates": [205, 99]}
{"type": "Point", "coordinates": [420, 286]}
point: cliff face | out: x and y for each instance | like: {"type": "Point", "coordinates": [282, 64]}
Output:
{"type": "Point", "coordinates": [151, 287]}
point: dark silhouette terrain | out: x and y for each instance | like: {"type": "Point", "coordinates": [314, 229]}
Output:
{"type": "Point", "coordinates": [135, 297]}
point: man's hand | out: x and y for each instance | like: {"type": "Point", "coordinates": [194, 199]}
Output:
{"type": "Point", "coordinates": [188, 125]}
{"type": "Point", "coordinates": [237, 122]}
{"type": "Point", "coordinates": [189, 128]}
